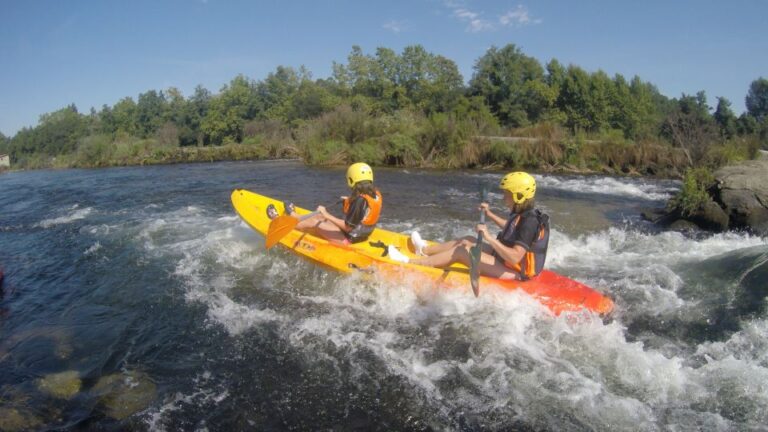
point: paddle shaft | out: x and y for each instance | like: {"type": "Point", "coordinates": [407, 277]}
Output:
{"type": "Point", "coordinates": [477, 251]}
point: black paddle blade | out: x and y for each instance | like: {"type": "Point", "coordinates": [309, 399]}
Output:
{"type": "Point", "coordinates": [474, 269]}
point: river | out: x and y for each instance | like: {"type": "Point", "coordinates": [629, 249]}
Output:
{"type": "Point", "coordinates": [135, 298]}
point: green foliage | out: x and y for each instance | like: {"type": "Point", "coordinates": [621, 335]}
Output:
{"type": "Point", "coordinates": [735, 150]}
{"type": "Point", "coordinates": [150, 113]}
{"type": "Point", "coordinates": [5, 144]}
{"type": "Point", "coordinates": [413, 79]}
{"type": "Point", "coordinates": [328, 152]}
{"type": "Point", "coordinates": [725, 119]}
{"type": "Point", "coordinates": [694, 191]}
{"type": "Point", "coordinates": [757, 99]}
{"type": "Point", "coordinates": [228, 112]}
{"type": "Point", "coordinates": [504, 154]}
{"type": "Point", "coordinates": [369, 150]}
{"type": "Point", "coordinates": [95, 151]}
{"type": "Point", "coordinates": [411, 108]}
{"type": "Point", "coordinates": [501, 78]}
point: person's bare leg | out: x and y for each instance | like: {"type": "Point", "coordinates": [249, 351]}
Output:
{"type": "Point", "coordinates": [319, 227]}
{"type": "Point", "coordinates": [489, 265]}
{"type": "Point", "coordinates": [449, 245]}
{"type": "Point", "coordinates": [446, 257]}
{"type": "Point", "coordinates": [494, 267]}
{"type": "Point", "coordinates": [309, 222]}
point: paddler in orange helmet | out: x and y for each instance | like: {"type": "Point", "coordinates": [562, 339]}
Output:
{"type": "Point", "coordinates": [518, 252]}
{"type": "Point", "coordinates": [361, 210]}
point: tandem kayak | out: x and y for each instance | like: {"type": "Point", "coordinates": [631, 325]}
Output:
{"type": "Point", "coordinates": [555, 291]}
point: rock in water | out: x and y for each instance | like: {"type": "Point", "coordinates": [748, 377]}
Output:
{"type": "Point", "coordinates": [62, 385]}
{"type": "Point", "coordinates": [742, 192]}
{"type": "Point", "coordinates": [123, 394]}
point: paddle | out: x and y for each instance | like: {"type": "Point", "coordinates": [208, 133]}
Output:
{"type": "Point", "coordinates": [477, 251]}
{"type": "Point", "coordinates": [283, 224]}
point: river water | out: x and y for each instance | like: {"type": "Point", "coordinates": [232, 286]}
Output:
{"type": "Point", "coordinates": [135, 298]}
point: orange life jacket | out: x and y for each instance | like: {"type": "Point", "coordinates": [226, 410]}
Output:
{"type": "Point", "coordinates": [373, 211]}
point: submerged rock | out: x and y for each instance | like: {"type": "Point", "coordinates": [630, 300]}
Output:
{"type": "Point", "coordinates": [124, 394]}
{"type": "Point", "coordinates": [12, 419]}
{"type": "Point", "coordinates": [63, 385]}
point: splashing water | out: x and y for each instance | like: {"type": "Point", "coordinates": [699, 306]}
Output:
{"type": "Point", "coordinates": [240, 338]}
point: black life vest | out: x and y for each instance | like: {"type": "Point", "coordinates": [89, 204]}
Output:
{"type": "Point", "coordinates": [532, 262]}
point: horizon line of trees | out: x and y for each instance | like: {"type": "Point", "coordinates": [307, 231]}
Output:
{"type": "Point", "coordinates": [509, 92]}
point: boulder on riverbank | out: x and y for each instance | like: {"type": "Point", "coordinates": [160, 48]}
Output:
{"type": "Point", "coordinates": [738, 200]}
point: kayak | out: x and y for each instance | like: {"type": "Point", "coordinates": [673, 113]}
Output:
{"type": "Point", "coordinates": [557, 292]}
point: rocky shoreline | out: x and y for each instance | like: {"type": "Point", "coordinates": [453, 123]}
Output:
{"type": "Point", "coordinates": [738, 200]}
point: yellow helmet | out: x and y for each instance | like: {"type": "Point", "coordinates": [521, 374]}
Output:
{"type": "Point", "coordinates": [521, 185]}
{"type": "Point", "coordinates": [358, 172]}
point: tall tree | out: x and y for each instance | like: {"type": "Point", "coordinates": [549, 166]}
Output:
{"type": "Point", "coordinates": [4, 143]}
{"type": "Point", "coordinates": [199, 104]}
{"type": "Point", "coordinates": [229, 110]}
{"type": "Point", "coordinates": [757, 99]}
{"type": "Point", "coordinates": [500, 78]}
{"type": "Point", "coordinates": [573, 99]}
{"type": "Point", "coordinates": [124, 117]}
{"type": "Point", "coordinates": [274, 92]}
{"type": "Point", "coordinates": [725, 119]}
{"type": "Point", "coordinates": [150, 113]}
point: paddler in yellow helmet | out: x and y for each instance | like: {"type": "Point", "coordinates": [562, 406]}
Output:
{"type": "Point", "coordinates": [518, 252]}
{"type": "Point", "coordinates": [361, 210]}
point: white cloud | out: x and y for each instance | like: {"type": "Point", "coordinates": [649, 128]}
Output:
{"type": "Point", "coordinates": [473, 19]}
{"type": "Point", "coordinates": [394, 26]}
{"type": "Point", "coordinates": [518, 17]}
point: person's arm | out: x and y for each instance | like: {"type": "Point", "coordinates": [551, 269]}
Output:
{"type": "Point", "coordinates": [509, 254]}
{"type": "Point", "coordinates": [498, 220]}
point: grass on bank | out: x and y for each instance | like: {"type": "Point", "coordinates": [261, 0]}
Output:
{"type": "Point", "coordinates": [463, 139]}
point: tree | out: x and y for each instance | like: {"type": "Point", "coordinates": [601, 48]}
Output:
{"type": "Point", "coordinates": [600, 107]}
{"type": "Point", "coordinates": [691, 128]}
{"type": "Point", "coordinates": [414, 78]}
{"type": "Point", "coordinates": [150, 113]}
{"type": "Point", "coordinates": [757, 99]}
{"type": "Point", "coordinates": [500, 78]}
{"type": "Point", "coordinates": [573, 99]}
{"type": "Point", "coordinates": [725, 119]}
{"type": "Point", "coordinates": [646, 107]}
{"type": "Point", "coordinates": [124, 117]}
{"type": "Point", "coordinates": [555, 74]}
{"type": "Point", "coordinates": [4, 143]}
{"type": "Point", "coordinates": [198, 106]}
{"type": "Point", "coordinates": [310, 100]}
{"type": "Point", "coordinates": [274, 92]}
{"type": "Point", "coordinates": [228, 112]}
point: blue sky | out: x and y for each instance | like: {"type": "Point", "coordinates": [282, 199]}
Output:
{"type": "Point", "coordinates": [91, 53]}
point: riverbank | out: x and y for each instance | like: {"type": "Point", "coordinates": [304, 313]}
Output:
{"type": "Point", "coordinates": [589, 157]}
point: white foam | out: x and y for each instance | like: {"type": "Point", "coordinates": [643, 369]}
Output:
{"type": "Point", "coordinates": [600, 185]}
{"type": "Point", "coordinates": [511, 357]}
{"type": "Point", "coordinates": [73, 213]}
{"type": "Point", "coordinates": [633, 188]}
{"type": "Point", "coordinates": [93, 249]}
{"type": "Point", "coordinates": [202, 398]}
